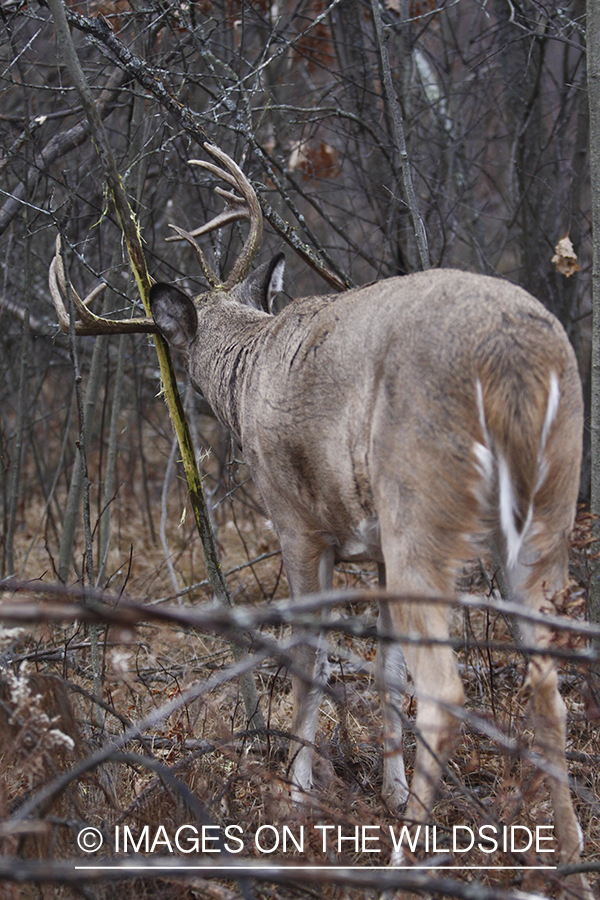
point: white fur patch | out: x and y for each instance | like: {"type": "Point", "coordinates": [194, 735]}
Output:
{"type": "Point", "coordinates": [275, 284]}
{"type": "Point", "coordinates": [551, 410]}
{"type": "Point", "coordinates": [481, 411]}
{"type": "Point", "coordinates": [581, 838]}
{"type": "Point", "coordinates": [364, 543]}
{"type": "Point", "coordinates": [485, 461]}
{"type": "Point", "coordinates": [507, 509]}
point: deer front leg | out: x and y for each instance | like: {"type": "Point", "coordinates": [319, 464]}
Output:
{"type": "Point", "coordinates": [390, 678]}
{"type": "Point", "coordinates": [307, 572]}
{"type": "Point", "coordinates": [308, 692]}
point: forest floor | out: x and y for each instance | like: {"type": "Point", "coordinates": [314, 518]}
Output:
{"type": "Point", "coordinates": [240, 779]}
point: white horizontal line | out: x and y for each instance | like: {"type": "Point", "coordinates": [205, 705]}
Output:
{"type": "Point", "coordinates": [278, 868]}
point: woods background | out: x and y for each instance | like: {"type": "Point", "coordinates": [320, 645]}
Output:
{"type": "Point", "coordinates": [494, 109]}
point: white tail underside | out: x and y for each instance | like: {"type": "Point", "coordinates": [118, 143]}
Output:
{"type": "Point", "coordinates": [485, 459]}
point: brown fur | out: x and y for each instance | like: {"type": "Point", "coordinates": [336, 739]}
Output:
{"type": "Point", "coordinates": [364, 407]}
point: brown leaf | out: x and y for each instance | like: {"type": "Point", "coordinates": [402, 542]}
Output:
{"type": "Point", "coordinates": [314, 160]}
{"type": "Point", "coordinates": [565, 258]}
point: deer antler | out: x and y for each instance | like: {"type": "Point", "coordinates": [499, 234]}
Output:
{"type": "Point", "coordinates": [86, 321]}
{"type": "Point", "coordinates": [244, 207]}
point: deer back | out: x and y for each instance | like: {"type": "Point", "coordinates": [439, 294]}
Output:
{"type": "Point", "coordinates": [388, 387]}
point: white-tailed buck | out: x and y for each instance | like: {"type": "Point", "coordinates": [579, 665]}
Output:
{"type": "Point", "coordinates": [407, 422]}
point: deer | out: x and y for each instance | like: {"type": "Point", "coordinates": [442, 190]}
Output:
{"type": "Point", "coordinates": [408, 422]}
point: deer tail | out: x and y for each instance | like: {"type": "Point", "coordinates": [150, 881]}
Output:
{"type": "Point", "coordinates": [515, 421]}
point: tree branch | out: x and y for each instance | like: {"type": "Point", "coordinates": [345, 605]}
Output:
{"type": "Point", "coordinates": [392, 101]}
{"type": "Point", "coordinates": [169, 382]}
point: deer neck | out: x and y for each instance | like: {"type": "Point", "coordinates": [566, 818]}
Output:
{"type": "Point", "coordinates": [223, 359]}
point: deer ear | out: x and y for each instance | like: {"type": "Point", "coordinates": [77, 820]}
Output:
{"type": "Point", "coordinates": [175, 314]}
{"type": "Point", "coordinates": [275, 281]}
{"type": "Point", "coordinates": [261, 286]}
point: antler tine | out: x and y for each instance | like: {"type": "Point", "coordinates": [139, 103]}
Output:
{"type": "Point", "coordinates": [57, 284]}
{"type": "Point", "coordinates": [59, 306]}
{"type": "Point", "coordinates": [224, 218]}
{"type": "Point", "coordinates": [232, 198]}
{"type": "Point", "coordinates": [210, 274]}
{"type": "Point", "coordinates": [237, 209]}
{"type": "Point", "coordinates": [87, 322]}
{"type": "Point", "coordinates": [244, 207]}
{"type": "Point", "coordinates": [215, 170]}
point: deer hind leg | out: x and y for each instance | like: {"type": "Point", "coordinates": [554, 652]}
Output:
{"type": "Point", "coordinates": [307, 573]}
{"type": "Point", "coordinates": [438, 688]}
{"type": "Point", "coordinates": [533, 581]}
